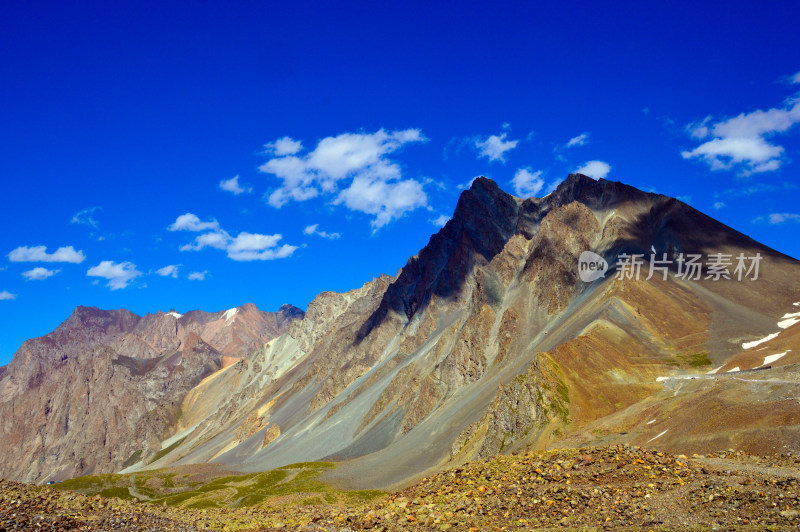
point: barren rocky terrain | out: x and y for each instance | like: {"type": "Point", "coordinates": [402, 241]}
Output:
{"type": "Point", "coordinates": [597, 488]}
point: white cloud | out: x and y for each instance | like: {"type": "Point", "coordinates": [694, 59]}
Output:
{"type": "Point", "coordinates": [244, 247]}
{"type": "Point", "coordinates": [170, 270]}
{"type": "Point", "coordinates": [39, 274]}
{"type": "Point", "coordinates": [527, 183]}
{"type": "Point", "coordinates": [373, 182]}
{"type": "Point", "coordinates": [494, 147]}
{"type": "Point", "coordinates": [782, 217]}
{"type": "Point", "coordinates": [198, 276]}
{"type": "Point", "coordinates": [719, 204]}
{"type": "Point", "coordinates": [699, 130]}
{"type": "Point", "coordinates": [232, 185]}
{"type": "Point", "coordinates": [5, 295]}
{"type": "Point", "coordinates": [441, 220]}
{"type": "Point", "coordinates": [741, 143]}
{"type": "Point", "coordinates": [594, 169]}
{"type": "Point", "coordinates": [314, 230]}
{"type": "Point", "coordinates": [218, 240]}
{"type": "Point", "coordinates": [40, 254]}
{"type": "Point", "coordinates": [119, 275]}
{"type": "Point", "coordinates": [284, 146]}
{"type": "Point", "coordinates": [84, 217]}
{"type": "Point", "coordinates": [796, 78]}
{"type": "Point", "coordinates": [190, 222]}
{"type": "Point", "coordinates": [385, 199]}
{"type": "Point", "coordinates": [580, 140]}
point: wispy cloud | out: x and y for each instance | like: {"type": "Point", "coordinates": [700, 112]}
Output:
{"type": "Point", "coordinates": [527, 182]}
{"type": "Point", "coordinates": [757, 188]}
{"type": "Point", "coordinates": [742, 143]}
{"type": "Point", "coordinates": [353, 169]}
{"type": "Point", "coordinates": [198, 276]}
{"type": "Point", "coordinates": [594, 169]}
{"type": "Point", "coordinates": [191, 222]}
{"type": "Point", "coordinates": [468, 184]}
{"type": "Point", "coordinates": [40, 254]}
{"type": "Point", "coordinates": [119, 275]}
{"type": "Point", "coordinates": [39, 274]}
{"type": "Point", "coordinates": [233, 186]}
{"type": "Point", "coordinates": [580, 140]}
{"type": "Point", "coordinates": [441, 220]}
{"type": "Point", "coordinates": [779, 218]}
{"type": "Point", "coordinates": [84, 217]}
{"type": "Point", "coordinates": [494, 147]}
{"type": "Point", "coordinates": [243, 247]}
{"type": "Point", "coordinates": [170, 270]}
{"type": "Point", "coordinates": [719, 205]}
{"type": "Point", "coordinates": [284, 146]}
{"type": "Point", "coordinates": [5, 295]}
{"type": "Point", "coordinates": [314, 230]}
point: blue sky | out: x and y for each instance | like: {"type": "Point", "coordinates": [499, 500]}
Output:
{"type": "Point", "coordinates": [352, 130]}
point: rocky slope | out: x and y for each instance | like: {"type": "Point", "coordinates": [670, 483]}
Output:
{"type": "Point", "coordinates": [487, 341]}
{"type": "Point", "coordinates": [610, 488]}
{"type": "Point", "coordinates": [106, 383]}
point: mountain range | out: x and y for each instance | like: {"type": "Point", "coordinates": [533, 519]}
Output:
{"type": "Point", "coordinates": [487, 341]}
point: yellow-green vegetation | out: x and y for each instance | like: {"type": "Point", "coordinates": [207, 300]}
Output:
{"type": "Point", "coordinates": [132, 459]}
{"type": "Point", "coordinates": [164, 452]}
{"type": "Point", "coordinates": [295, 484]}
{"type": "Point", "coordinates": [694, 360]}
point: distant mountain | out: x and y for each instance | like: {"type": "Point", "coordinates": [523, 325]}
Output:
{"type": "Point", "coordinates": [73, 401]}
{"type": "Point", "coordinates": [487, 341]}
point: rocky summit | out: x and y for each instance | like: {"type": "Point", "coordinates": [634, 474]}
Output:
{"type": "Point", "coordinates": [488, 345]}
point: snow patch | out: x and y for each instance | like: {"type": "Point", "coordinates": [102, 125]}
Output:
{"type": "Point", "coordinates": [230, 314]}
{"type": "Point", "coordinates": [767, 338]}
{"type": "Point", "coordinates": [654, 437]}
{"type": "Point", "coordinates": [174, 315]}
{"type": "Point", "coordinates": [772, 358]}
{"type": "Point", "coordinates": [661, 379]}
{"type": "Point", "coordinates": [734, 369]}
{"type": "Point", "coordinates": [713, 371]}
{"type": "Point", "coordinates": [651, 421]}
{"type": "Point", "coordinates": [789, 320]}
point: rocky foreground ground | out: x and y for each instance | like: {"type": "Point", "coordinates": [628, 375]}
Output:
{"type": "Point", "coordinates": [615, 488]}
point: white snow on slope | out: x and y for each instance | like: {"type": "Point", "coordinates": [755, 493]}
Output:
{"type": "Point", "coordinates": [767, 338]}
{"type": "Point", "coordinates": [174, 315]}
{"type": "Point", "coordinates": [734, 369]}
{"type": "Point", "coordinates": [789, 320]}
{"type": "Point", "coordinates": [230, 314]}
{"type": "Point", "coordinates": [654, 437]}
{"type": "Point", "coordinates": [772, 358]}
{"type": "Point", "coordinates": [651, 421]}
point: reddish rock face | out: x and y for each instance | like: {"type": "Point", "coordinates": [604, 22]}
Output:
{"type": "Point", "coordinates": [106, 382]}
